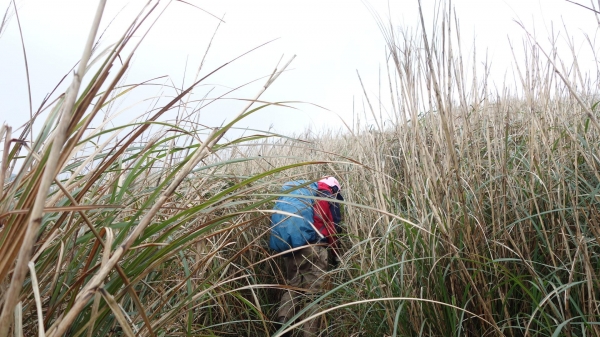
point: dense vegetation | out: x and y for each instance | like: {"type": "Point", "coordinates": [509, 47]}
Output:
{"type": "Point", "coordinates": [472, 211]}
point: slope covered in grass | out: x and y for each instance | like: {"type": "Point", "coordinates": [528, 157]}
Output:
{"type": "Point", "coordinates": [473, 211]}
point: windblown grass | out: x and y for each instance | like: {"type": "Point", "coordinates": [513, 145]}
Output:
{"type": "Point", "coordinates": [133, 228]}
{"type": "Point", "coordinates": [471, 212]}
{"type": "Point", "coordinates": [486, 218]}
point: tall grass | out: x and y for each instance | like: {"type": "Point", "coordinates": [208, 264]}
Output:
{"type": "Point", "coordinates": [133, 228]}
{"type": "Point", "coordinates": [471, 211]}
{"type": "Point", "coordinates": [487, 200]}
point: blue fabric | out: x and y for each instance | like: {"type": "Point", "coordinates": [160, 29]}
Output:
{"type": "Point", "coordinates": [289, 232]}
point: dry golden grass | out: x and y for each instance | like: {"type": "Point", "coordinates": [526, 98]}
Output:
{"type": "Point", "coordinates": [471, 212]}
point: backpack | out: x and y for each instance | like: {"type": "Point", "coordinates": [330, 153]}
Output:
{"type": "Point", "coordinates": [288, 231]}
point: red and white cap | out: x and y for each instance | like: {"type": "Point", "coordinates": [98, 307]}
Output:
{"type": "Point", "coordinates": [331, 181]}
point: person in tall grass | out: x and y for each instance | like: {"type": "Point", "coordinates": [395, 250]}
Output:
{"type": "Point", "coordinates": [306, 268]}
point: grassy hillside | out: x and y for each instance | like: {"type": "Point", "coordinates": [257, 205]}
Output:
{"type": "Point", "coordinates": [473, 211]}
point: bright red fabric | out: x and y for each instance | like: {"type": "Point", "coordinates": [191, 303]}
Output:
{"type": "Point", "coordinates": [323, 220]}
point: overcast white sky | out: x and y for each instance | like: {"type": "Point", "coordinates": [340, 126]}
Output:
{"type": "Point", "coordinates": [331, 38]}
